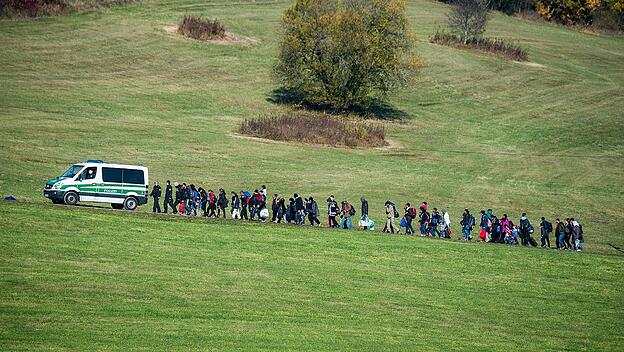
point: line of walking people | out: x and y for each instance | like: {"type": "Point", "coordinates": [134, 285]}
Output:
{"type": "Point", "coordinates": [191, 200]}
{"type": "Point", "coordinates": [568, 234]}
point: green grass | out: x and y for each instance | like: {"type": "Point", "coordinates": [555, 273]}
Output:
{"type": "Point", "coordinates": [132, 281]}
{"type": "Point", "coordinates": [482, 132]}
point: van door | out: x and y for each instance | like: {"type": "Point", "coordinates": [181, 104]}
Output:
{"type": "Point", "coordinates": [87, 184]}
{"type": "Point", "coordinates": [110, 189]}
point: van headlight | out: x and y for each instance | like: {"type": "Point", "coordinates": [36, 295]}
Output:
{"type": "Point", "coordinates": [55, 187]}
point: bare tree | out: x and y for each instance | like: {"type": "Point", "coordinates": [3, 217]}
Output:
{"type": "Point", "coordinates": [468, 18]}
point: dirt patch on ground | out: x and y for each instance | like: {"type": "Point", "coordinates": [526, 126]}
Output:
{"type": "Point", "coordinates": [229, 39]}
{"type": "Point", "coordinates": [530, 64]}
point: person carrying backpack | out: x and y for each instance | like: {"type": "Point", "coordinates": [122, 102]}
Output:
{"type": "Point", "coordinates": [390, 215]}
{"type": "Point", "coordinates": [222, 203]}
{"type": "Point", "coordinates": [347, 211]}
{"type": "Point", "coordinates": [467, 223]}
{"type": "Point", "coordinates": [410, 214]}
{"type": "Point", "coordinates": [545, 229]}
{"type": "Point", "coordinates": [255, 205]}
{"type": "Point", "coordinates": [244, 200]}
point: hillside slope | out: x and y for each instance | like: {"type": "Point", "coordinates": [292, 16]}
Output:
{"type": "Point", "coordinates": [482, 132]}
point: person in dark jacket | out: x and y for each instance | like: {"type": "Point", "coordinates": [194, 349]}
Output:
{"type": "Point", "coordinates": [436, 219]}
{"type": "Point", "coordinates": [525, 229]}
{"type": "Point", "coordinates": [567, 233]}
{"type": "Point", "coordinates": [236, 205]}
{"type": "Point", "coordinates": [274, 208]}
{"type": "Point", "coordinates": [313, 212]}
{"type": "Point", "coordinates": [545, 230]}
{"type": "Point", "coordinates": [156, 193]}
{"type": "Point", "coordinates": [290, 210]}
{"type": "Point", "coordinates": [178, 197]}
{"type": "Point", "coordinates": [222, 203]}
{"type": "Point", "coordinates": [424, 221]}
{"type": "Point", "coordinates": [281, 209]}
{"type": "Point", "coordinates": [467, 222]}
{"type": "Point", "coordinates": [169, 198]}
{"type": "Point", "coordinates": [299, 209]}
{"type": "Point", "coordinates": [410, 214]}
{"type": "Point", "coordinates": [203, 200]}
{"type": "Point", "coordinates": [244, 202]}
{"type": "Point", "coordinates": [254, 207]}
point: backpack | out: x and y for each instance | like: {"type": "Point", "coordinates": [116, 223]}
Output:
{"type": "Point", "coordinates": [396, 213]}
{"type": "Point", "coordinates": [473, 221]}
{"type": "Point", "coordinates": [434, 219]}
{"type": "Point", "coordinates": [352, 211]}
{"type": "Point", "coordinates": [580, 237]}
{"type": "Point", "coordinates": [548, 226]}
{"type": "Point", "coordinates": [412, 212]}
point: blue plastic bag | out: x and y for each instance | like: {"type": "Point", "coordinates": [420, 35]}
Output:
{"type": "Point", "coordinates": [403, 222]}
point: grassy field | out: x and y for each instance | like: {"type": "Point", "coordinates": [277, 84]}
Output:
{"type": "Point", "coordinates": [132, 281]}
{"type": "Point", "coordinates": [480, 132]}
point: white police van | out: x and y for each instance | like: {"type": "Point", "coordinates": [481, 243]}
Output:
{"type": "Point", "coordinates": [123, 186]}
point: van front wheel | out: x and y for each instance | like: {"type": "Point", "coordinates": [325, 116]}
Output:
{"type": "Point", "coordinates": [71, 198]}
{"type": "Point", "coordinates": [130, 203]}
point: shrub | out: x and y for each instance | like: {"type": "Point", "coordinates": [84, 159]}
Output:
{"type": "Point", "coordinates": [608, 18]}
{"type": "Point", "coordinates": [508, 7]}
{"type": "Point", "coordinates": [38, 8]}
{"type": "Point", "coordinates": [345, 53]}
{"type": "Point", "coordinates": [496, 46]}
{"type": "Point", "coordinates": [316, 128]}
{"type": "Point", "coordinates": [198, 28]}
{"type": "Point", "coordinates": [32, 8]}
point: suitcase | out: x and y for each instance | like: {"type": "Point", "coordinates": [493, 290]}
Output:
{"type": "Point", "coordinates": [532, 241]}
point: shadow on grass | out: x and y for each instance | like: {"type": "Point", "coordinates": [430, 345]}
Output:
{"type": "Point", "coordinates": [374, 109]}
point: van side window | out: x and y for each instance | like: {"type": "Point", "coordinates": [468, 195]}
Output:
{"type": "Point", "coordinates": [111, 175]}
{"type": "Point", "coordinates": [89, 173]}
{"type": "Point", "coordinates": [133, 176]}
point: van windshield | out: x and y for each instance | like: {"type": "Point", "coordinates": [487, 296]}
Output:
{"type": "Point", "coordinates": [72, 171]}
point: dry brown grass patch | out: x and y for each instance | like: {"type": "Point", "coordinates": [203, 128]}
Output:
{"type": "Point", "coordinates": [316, 128]}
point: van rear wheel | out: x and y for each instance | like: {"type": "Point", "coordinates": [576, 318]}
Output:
{"type": "Point", "coordinates": [117, 206]}
{"type": "Point", "coordinates": [131, 203]}
{"type": "Point", "coordinates": [71, 198]}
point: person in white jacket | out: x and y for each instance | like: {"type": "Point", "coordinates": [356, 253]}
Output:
{"type": "Point", "coordinates": [446, 224]}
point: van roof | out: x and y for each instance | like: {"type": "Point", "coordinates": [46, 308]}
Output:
{"type": "Point", "coordinates": [117, 166]}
